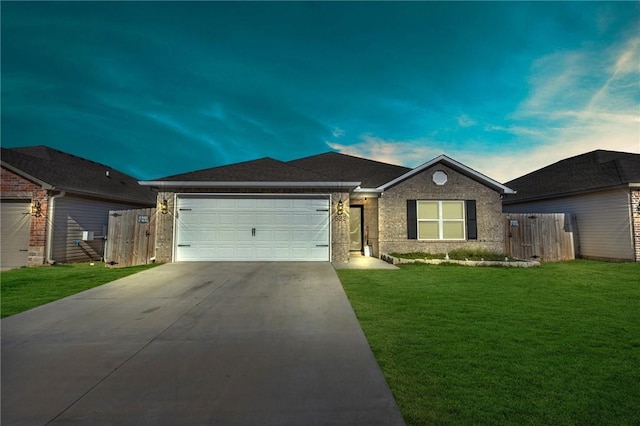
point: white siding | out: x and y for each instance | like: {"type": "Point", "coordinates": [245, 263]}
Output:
{"type": "Point", "coordinates": [603, 218]}
{"type": "Point", "coordinates": [74, 215]}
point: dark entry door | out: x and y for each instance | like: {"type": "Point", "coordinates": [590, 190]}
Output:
{"type": "Point", "coordinates": [355, 228]}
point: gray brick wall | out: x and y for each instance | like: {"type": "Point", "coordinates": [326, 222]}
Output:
{"type": "Point", "coordinates": [393, 212]}
{"type": "Point", "coordinates": [164, 229]}
{"type": "Point", "coordinates": [165, 224]}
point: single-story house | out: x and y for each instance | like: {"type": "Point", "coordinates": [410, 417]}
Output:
{"type": "Point", "coordinates": [55, 206]}
{"type": "Point", "coordinates": [602, 189]}
{"type": "Point", "coordinates": [323, 207]}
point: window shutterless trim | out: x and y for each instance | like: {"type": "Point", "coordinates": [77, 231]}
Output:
{"type": "Point", "coordinates": [470, 220]}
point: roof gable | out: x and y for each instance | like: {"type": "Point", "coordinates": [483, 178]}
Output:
{"type": "Point", "coordinates": [58, 170]}
{"type": "Point", "coordinates": [342, 167]}
{"type": "Point", "coordinates": [455, 165]}
{"type": "Point", "coordinates": [591, 171]}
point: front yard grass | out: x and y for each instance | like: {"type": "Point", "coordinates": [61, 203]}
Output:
{"type": "Point", "coordinates": [26, 288]}
{"type": "Point", "coordinates": [559, 344]}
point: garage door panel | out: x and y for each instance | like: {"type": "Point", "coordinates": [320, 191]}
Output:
{"type": "Point", "coordinates": [245, 219]}
{"type": "Point", "coordinates": [226, 236]}
{"type": "Point", "coordinates": [234, 228]}
{"type": "Point", "coordinates": [226, 218]}
{"type": "Point", "coordinates": [263, 219]}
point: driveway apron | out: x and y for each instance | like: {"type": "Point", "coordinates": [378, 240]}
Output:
{"type": "Point", "coordinates": [249, 343]}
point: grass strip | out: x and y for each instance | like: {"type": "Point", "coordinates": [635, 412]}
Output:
{"type": "Point", "coordinates": [26, 288]}
{"type": "Point", "coordinates": [557, 345]}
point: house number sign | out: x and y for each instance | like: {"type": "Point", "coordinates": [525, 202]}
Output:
{"type": "Point", "coordinates": [143, 219]}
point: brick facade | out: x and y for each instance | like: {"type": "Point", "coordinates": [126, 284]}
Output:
{"type": "Point", "coordinates": [393, 212]}
{"type": "Point", "coordinates": [16, 187]}
{"type": "Point", "coordinates": [165, 222]}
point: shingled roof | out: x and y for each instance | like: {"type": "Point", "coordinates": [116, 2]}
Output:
{"type": "Point", "coordinates": [592, 171]}
{"type": "Point", "coordinates": [261, 170]}
{"type": "Point", "coordinates": [342, 167]}
{"type": "Point", "coordinates": [57, 170]}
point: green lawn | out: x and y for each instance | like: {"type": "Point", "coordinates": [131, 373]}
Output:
{"type": "Point", "coordinates": [555, 345]}
{"type": "Point", "coordinates": [26, 288]}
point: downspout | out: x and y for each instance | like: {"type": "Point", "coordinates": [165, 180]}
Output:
{"type": "Point", "coordinates": [50, 213]}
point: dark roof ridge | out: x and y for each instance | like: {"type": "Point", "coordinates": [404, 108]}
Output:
{"type": "Point", "coordinates": [348, 155]}
{"type": "Point", "coordinates": [212, 168]}
{"type": "Point", "coordinates": [265, 169]}
{"type": "Point", "coordinates": [26, 150]}
{"type": "Point", "coordinates": [58, 170]}
{"type": "Point", "coordinates": [591, 171]}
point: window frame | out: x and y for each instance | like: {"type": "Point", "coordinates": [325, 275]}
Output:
{"type": "Point", "coordinates": [441, 220]}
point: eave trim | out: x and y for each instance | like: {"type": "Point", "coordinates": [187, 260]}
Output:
{"type": "Point", "coordinates": [454, 165]}
{"type": "Point", "coordinates": [246, 184]}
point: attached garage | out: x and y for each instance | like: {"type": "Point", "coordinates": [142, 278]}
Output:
{"type": "Point", "coordinates": [16, 220]}
{"type": "Point", "coordinates": [252, 228]}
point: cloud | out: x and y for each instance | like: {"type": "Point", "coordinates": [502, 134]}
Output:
{"type": "Point", "coordinates": [337, 132]}
{"type": "Point", "coordinates": [409, 153]}
{"type": "Point", "coordinates": [412, 153]}
{"type": "Point", "coordinates": [465, 121]}
{"type": "Point", "coordinates": [579, 101]}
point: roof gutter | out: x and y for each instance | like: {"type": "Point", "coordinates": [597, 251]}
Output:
{"type": "Point", "coordinates": [246, 184]}
{"type": "Point", "coordinates": [369, 190]}
{"type": "Point", "coordinates": [508, 200]}
{"type": "Point", "coordinates": [50, 213]}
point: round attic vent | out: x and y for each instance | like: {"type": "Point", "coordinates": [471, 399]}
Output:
{"type": "Point", "coordinates": [439, 177]}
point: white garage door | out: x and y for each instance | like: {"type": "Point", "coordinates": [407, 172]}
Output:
{"type": "Point", "coordinates": [16, 219]}
{"type": "Point", "coordinates": [241, 228]}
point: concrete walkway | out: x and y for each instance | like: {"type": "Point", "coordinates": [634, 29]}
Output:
{"type": "Point", "coordinates": [196, 344]}
{"type": "Point", "coordinates": [358, 261]}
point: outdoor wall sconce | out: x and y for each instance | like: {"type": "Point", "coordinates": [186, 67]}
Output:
{"type": "Point", "coordinates": [164, 206]}
{"type": "Point", "coordinates": [36, 208]}
{"type": "Point", "coordinates": [340, 208]}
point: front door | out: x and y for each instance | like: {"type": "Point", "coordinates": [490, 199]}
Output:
{"type": "Point", "coordinates": [355, 228]}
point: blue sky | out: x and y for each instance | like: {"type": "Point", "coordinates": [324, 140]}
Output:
{"type": "Point", "coordinates": [159, 88]}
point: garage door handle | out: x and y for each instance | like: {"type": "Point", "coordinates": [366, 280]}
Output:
{"type": "Point", "coordinates": [184, 245]}
{"type": "Point", "coordinates": [23, 250]}
{"type": "Point", "coordinates": [322, 245]}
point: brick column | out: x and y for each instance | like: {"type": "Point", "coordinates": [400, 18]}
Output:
{"type": "Point", "coordinates": [340, 228]}
{"type": "Point", "coordinates": [164, 228]}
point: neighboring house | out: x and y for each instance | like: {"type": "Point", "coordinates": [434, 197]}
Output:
{"type": "Point", "coordinates": [323, 207]}
{"type": "Point", "coordinates": [49, 198]}
{"type": "Point", "coordinates": [602, 189]}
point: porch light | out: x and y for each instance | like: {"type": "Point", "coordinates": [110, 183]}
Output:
{"type": "Point", "coordinates": [164, 206]}
{"type": "Point", "coordinates": [340, 207]}
{"type": "Point", "coordinates": [36, 209]}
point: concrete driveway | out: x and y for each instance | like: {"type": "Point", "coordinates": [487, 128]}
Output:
{"type": "Point", "coordinates": [196, 344]}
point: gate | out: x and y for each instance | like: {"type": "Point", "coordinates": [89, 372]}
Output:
{"type": "Point", "coordinates": [131, 237]}
{"type": "Point", "coordinates": [541, 236]}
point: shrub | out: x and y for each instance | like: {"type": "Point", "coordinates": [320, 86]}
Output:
{"type": "Point", "coordinates": [456, 254]}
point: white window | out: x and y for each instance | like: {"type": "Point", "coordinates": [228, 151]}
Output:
{"type": "Point", "coordinates": [441, 220]}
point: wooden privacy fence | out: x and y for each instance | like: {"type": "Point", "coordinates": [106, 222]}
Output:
{"type": "Point", "coordinates": [541, 236]}
{"type": "Point", "coordinates": [131, 237]}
